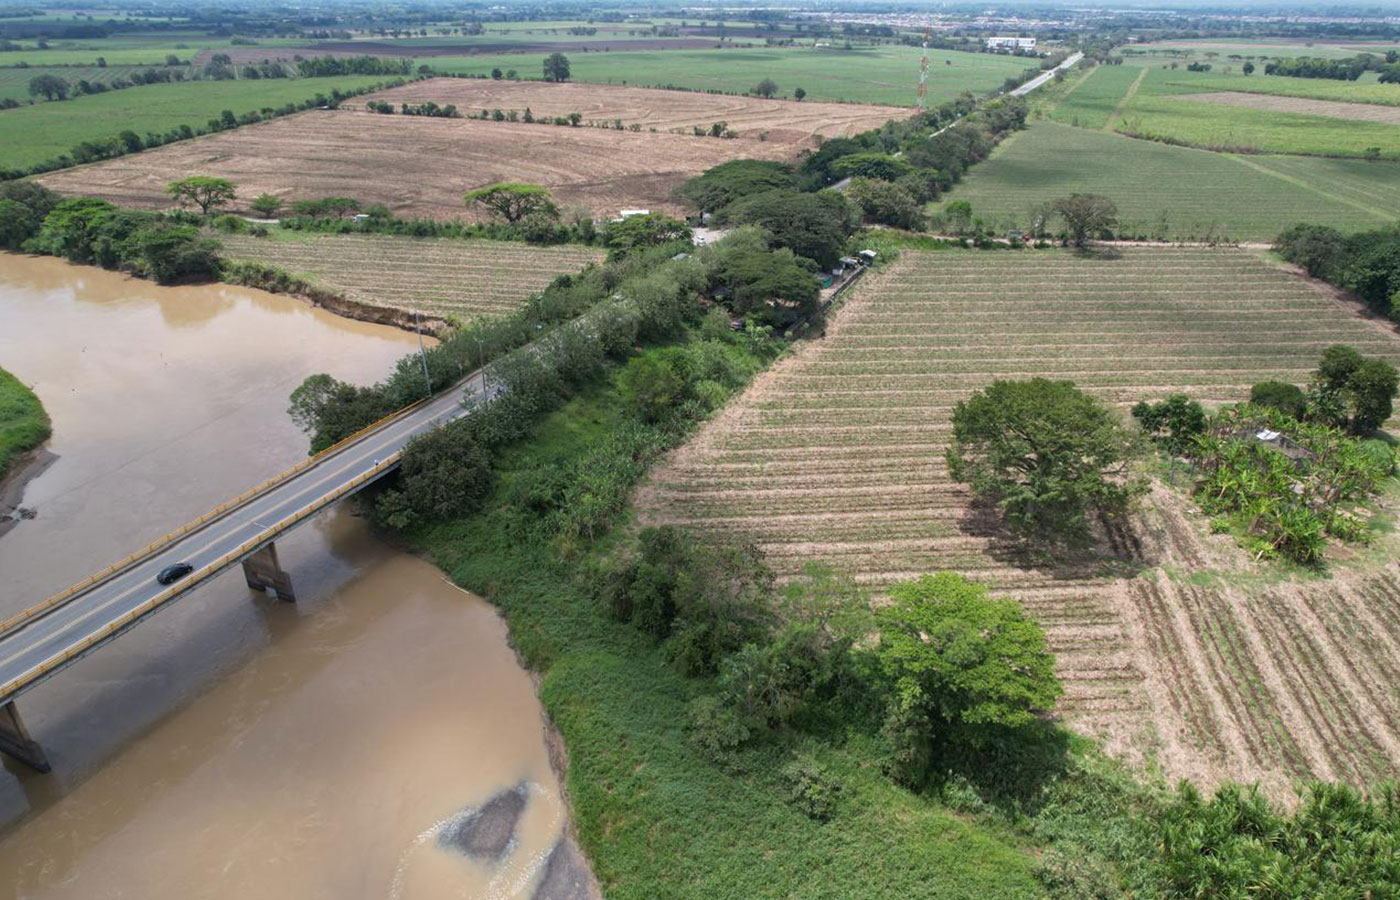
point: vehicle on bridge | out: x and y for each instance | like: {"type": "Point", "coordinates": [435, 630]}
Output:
{"type": "Point", "coordinates": [172, 574]}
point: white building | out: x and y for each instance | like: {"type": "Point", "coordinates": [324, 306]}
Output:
{"type": "Point", "coordinates": [1010, 43]}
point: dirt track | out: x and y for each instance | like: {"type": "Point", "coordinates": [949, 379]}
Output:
{"type": "Point", "coordinates": [418, 166]}
{"type": "Point", "coordinates": [783, 121]}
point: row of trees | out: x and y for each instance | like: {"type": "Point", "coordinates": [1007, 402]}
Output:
{"type": "Point", "coordinates": [94, 232]}
{"type": "Point", "coordinates": [1366, 263]}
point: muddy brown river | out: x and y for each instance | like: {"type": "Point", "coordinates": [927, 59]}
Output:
{"type": "Point", "coordinates": [375, 739]}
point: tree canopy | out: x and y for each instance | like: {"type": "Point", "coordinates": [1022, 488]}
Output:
{"type": "Point", "coordinates": [1086, 216]}
{"type": "Point", "coordinates": [812, 225]}
{"type": "Point", "coordinates": [556, 67]}
{"type": "Point", "coordinates": [513, 201]}
{"type": "Point", "coordinates": [716, 188]}
{"type": "Point", "coordinates": [962, 663]}
{"type": "Point", "coordinates": [1047, 454]}
{"type": "Point", "coordinates": [204, 191]}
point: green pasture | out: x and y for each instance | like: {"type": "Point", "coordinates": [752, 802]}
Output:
{"type": "Point", "coordinates": [1163, 108]}
{"type": "Point", "coordinates": [23, 423]}
{"type": "Point", "coordinates": [1092, 103]}
{"type": "Point", "coordinates": [1177, 192]}
{"type": "Point", "coordinates": [34, 134]}
{"type": "Point", "coordinates": [882, 74]}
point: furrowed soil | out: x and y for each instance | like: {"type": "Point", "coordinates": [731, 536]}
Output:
{"type": "Point", "coordinates": [418, 166]}
{"type": "Point", "coordinates": [437, 277]}
{"type": "Point", "coordinates": [781, 121]}
{"type": "Point", "coordinates": [1174, 647]}
{"type": "Point", "coordinates": [1366, 112]}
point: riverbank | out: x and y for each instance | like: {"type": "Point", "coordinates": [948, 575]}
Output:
{"type": "Point", "coordinates": [24, 427]}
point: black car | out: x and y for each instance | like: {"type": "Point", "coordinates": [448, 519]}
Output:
{"type": "Point", "coordinates": [174, 573]}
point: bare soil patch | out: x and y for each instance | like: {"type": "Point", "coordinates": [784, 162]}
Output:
{"type": "Point", "coordinates": [1366, 112]}
{"type": "Point", "coordinates": [418, 166]}
{"type": "Point", "coordinates": [783, 121]}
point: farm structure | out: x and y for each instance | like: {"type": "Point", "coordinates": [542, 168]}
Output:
{"type": "Point", "coordinates": [417, 165]}
{"type": "Point", "coordinates": [437, 277]}
{"type": "Point", "coordinates": [837, 455]}
{"type": "Point", "coordinates": [780, 121]}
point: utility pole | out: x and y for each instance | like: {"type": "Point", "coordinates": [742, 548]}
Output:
{"type": "Point", "coordinates": [422, 354]}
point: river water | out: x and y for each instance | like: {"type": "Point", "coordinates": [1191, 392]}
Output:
{"type": "Point", "coordinates": [235, 745]}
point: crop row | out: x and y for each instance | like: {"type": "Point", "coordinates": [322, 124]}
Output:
{"type": "Point", "coordinates": [838, 455]}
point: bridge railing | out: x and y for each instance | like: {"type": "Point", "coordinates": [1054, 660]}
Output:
{"type": "Point", "coordinates": [49, 604]}
{"type": "Point", "coordinates": [126, 620]}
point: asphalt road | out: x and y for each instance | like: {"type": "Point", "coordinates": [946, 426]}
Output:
{"type": "Point", "coordinates": [25, 650]}
{"type": "Point", "coordinates": [1038, 80]}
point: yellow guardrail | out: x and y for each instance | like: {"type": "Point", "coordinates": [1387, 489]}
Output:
{"type": "Point", "coordinates": [165, 596]}
{"type": "Point", "coordinates": [50, 603]}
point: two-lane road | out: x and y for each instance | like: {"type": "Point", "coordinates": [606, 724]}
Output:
{"type": "Point", "coordinates": [43, 644]}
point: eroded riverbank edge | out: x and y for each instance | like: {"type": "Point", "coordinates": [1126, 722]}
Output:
{"type": "Point", "coordinates": [29, 466]}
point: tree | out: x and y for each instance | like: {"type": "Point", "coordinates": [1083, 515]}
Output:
{"type": "Point", "coordinates": [717, 187]}
{"type": "Point", "coordinates": [445, 472]}
{"type": "Point", "coordinates": [171, 254]}
{"type": "Point", "coordinates": [887, 204]}
{"type": "Point", "coordinates": [964, 666]}
{"type": "Point", "coordinates": [204, 191]}
{"type": "Point", "coordinates": [959, 214]}
{"type": "Point", "coordinates": [556, 67]}
{"type": "Point", "coordinates": [17, 224]}
{"type": "Point", "coordinates": [1086, 215]}
{"type": "Point", "coordinates": [1047, 454]}
{"type": "Point", "coordinates": [812, 225]}
{"type": "Point", "coordinates": [130, 141]}
{"type": "Point", "coordinates": [70, 229]}
{"type": "Point", "coordinates": [766, 88]}
{"type": "Point", "coordinates": [652, 386]}
{"type": "Point", "coordinates": [266, 205]}
{"type": "Point", "coordinates": [650, 230]}
{"type": "Point", "coordinates": [513, 201]}
{"type": "Point", "coordinates": [871, 165]}
{"type": "Point", "coordinates": [51, 86]}
{"type": "Point", "coordinates": [1174, 423]}
{"type": "Point", "coordinates": [1288, 399]}
{"type": "Point", "coordinates": [1371, 391]}
{"type": "Point", "coordinates": [799, 94]}
{"type": "Point", "coordinates": [1248, 68]}
{"type": "Point", "coordinates": [776, 288]}
{"type": "Point", "coordinates": [496, 74]}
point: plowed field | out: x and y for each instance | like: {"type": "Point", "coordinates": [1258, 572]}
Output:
{"type": "Point", "coordinates": [836, 454]}
{"type": "Point", "coordinates": [418, 166]}
{"type": "Point", "coordinates": [434, 277]}
{"type": "Point", "coordinates": [784, 121]}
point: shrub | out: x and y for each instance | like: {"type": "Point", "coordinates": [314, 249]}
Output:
{"type": "Point", "coordinates": [1288, 399]}
{"type": "Point", "coordinates": [812, 788]}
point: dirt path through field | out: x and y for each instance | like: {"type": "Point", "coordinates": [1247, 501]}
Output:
{"type": "Point", "coordinates": [1117, 113]}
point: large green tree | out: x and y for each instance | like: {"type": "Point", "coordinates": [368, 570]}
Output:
{"type": "Point", "coordinates": [556, 67]}
{"type": "Point", "coordinates": [513, 201]}
{"type": "Point", "coordinates": [204, 191]}
{"type": "Point", "coordinates": [1354, 391]}
{"type": "Point", "coordinates": [51, 86]}
{"type": "Point", "coordinates": [812, 225]}
{"type": "Point", "coordinates": [964, 665]}
{"type": "Point", "coordinates": [1047, 454]}
{"type": "Point", "coordinates": [1086, 216]}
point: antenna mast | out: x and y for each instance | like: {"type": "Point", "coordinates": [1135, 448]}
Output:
{"type": "Point", "coordinates": [923, 66]}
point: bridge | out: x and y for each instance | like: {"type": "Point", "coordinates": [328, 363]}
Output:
{"type": "Point", "coordinates": [50, 636]}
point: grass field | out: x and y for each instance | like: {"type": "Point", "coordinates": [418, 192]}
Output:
{"type": "Point", "coordinates": [434, 276]}
{"type": "Point", "coordinates": [836, 454]}
{"type": "Point", "coordinates": [23, 423]}
{"type": "Point", "coordinates": [130, 50]}
{"type": "Point", "coordinates": [1161, 104]}
{"type": "Point", "coordinates": [1092, 103]}
{"type": "Point", "coordinates": [34, 134]}
{"type": "Point", "coordinates": [1177, 192]}
{"type": "Point", "coordinates": [887, 75]}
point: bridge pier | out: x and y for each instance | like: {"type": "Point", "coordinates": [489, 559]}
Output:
{"type": "Point", "coordinates": [16, 742]}
{"type": "Point", "coordinates": [262, 571]}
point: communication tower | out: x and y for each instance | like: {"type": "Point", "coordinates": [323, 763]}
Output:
{"type": "Point", "coordinates": [923, 66]}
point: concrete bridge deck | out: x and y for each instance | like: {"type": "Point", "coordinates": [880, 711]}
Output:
{"type": "Point", "coordinates": [54, 634]}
